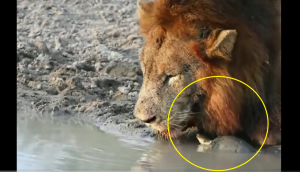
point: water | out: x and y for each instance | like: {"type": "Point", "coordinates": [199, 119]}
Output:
{"type": "Point", "coordinates": [66, 146]}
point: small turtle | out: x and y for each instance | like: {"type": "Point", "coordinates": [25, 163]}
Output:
{"type": "Point", "coordinates": [224, 143]}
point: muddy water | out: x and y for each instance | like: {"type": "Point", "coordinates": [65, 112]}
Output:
{"type": "Point", "coordinates": [66, 146]}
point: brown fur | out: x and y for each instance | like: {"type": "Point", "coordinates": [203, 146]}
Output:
{"type": "Point", "coordinates": [171, 29]}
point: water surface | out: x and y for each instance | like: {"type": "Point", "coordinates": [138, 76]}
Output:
{"type": "Point", "coordinates": [66, 146]}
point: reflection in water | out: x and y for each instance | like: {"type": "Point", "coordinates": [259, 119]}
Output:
{"type": "Point", "coordinates": [163, 157]}
{"type": "Point", "coordinates": [45, 145]}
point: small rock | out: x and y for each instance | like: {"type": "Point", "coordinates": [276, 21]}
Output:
{"type": "Point", "coordinates": [32, 84]}
{"type": "Point", "coordinates": [48, 6]}
{"type": "Point", "coordinates": [39, 86]}
{"type": "Point", "coordinates": [95, 42]}
{"type": "Point", "coordinates": [83, 65]}
{"type": "Point", "coordinates": [132, 95]}
{"type": "Point", "coordinates": [61, 88]}
{"type": "Point", "coordinates": [20, 45]}
{"type": "Point", "coordinates": [47, 66]}
{"type": "Point", "coordinates": [31, 67]}
{"type": "Point", "coordinates": [111, 92]}
{"type": "Point", "coordinates": [98, 66]}
{"type": "Point", "coordinates": [82, 109]}
{"type": "Point", "coordinates": [124, 90]}
{"type": "Point", "coordinates": [51, 91]}
{"type": "Point", "coordinates": [40, 57]}
{"type": "Point", "coordinates": [42, 47]}
{"type": "Point", "coordinates": [45, 23]}
{"type": "Point", "coordinates": [82, 100]}
{"type": "Point", "coordinates": [114, 34]}
{"type": "Point", "coordinates": [64, 53]}
{"type": "Point", "coordinates": [23, 4]}
{"type": "Point", "coordinates": [71, 67]}
{"type": "Point", "coordinates": [133, 37]}
{"type": "Point", "coordinates": [57, 56]}
{"type": "Point", "coordinates": [22, 95]}
{"type": "Point", "coordinates": [93, 85]}
{"type": "Point", "coordinates": [115, 56]}
{"type": "Point", "coordinates": [57, 43]}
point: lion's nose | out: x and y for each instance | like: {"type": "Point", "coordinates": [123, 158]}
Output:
{"type": "Point", "coordinates": [149, 119]}
{"type": "Point", "coordinates": [145, 118]}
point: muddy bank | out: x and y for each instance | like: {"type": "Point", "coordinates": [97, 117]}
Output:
{"type": "Point", "coordinates": [80, 58]}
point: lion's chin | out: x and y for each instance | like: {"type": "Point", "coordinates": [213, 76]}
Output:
{"type": "Point", "coordinates": [174, 134]}
{"type": "Point", "coordinates": [176, 131]}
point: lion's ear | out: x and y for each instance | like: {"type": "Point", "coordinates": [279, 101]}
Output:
{"type": "Point", "coordinates": [144, 7]}
{"type": "Point", "coordinates": [144, 12]}
{"type": "Point", "coordinates": [223, 45]}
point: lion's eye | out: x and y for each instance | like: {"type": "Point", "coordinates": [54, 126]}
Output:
{"type": "Point", "coordinates": [204, 32]}
{"type": "Point", "coordinates": [167, 78]}
{"type": "Point", "coordinates": [187, 68]}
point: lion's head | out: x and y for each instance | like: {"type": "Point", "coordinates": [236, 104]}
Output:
{"type": "Point", "coordinates": [190, 39]}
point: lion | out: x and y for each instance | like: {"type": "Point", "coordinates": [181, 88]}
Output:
{"type": "Point", "coordinates": [186, 40]}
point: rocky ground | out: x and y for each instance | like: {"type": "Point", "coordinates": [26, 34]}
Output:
{"type": "Point", "coordinates": [80, 58]}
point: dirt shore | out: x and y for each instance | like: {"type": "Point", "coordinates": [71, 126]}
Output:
{"type": "Point", "coordinates": [80, 58]}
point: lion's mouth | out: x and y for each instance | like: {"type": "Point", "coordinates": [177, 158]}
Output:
{"type": "Point", "coordinates": [174, 133]}
{"type": "Point", "coordinates": [176, 129]}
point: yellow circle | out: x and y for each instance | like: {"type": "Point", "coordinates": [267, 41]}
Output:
{"type": "Point", "coordinates": [207, 168]}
